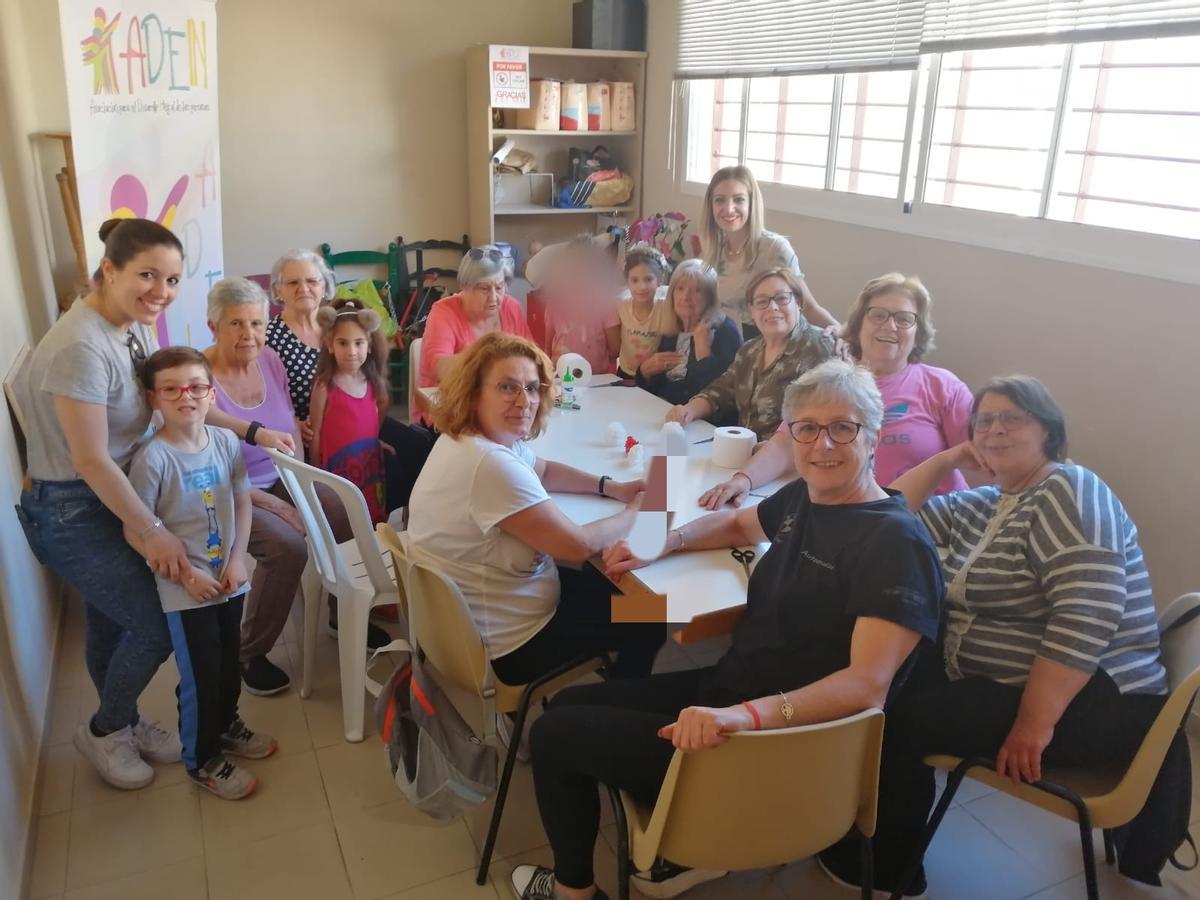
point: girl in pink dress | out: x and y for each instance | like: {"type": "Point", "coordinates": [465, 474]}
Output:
{"type": "Point", "coordinates": [350, 400]}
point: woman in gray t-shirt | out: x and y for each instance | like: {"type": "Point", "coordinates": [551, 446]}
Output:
{"type": "Point", "coordinates": [87, 414]}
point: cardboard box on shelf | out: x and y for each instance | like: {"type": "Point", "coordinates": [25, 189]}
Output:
{"type": "Point", "coordinates": [624, 106]}
{"type": "Point", "coordinates": [599, 100]}
{"type": "Point", "coordinates": [545, 97]}
{"type": "Point", "coordinates": [573, 115]}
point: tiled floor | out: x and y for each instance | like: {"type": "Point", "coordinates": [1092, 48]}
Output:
{"type": "Point", "coordinates": [326, 823]}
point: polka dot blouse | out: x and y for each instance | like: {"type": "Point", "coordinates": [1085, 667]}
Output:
{"type": "Point", "coordinates": [299, 359]}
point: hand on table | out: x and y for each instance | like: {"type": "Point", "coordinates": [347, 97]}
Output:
{"type": "Point", "coordinates": [733, 491]}
{"type": "Point", "coordinates": [703, 727]}
{"type": "Point", "coordinates": [625, 491]}
{"type": "Point", "coordinates": [618, 559]}
{"type": "Point", "coordinates": [680, 413]}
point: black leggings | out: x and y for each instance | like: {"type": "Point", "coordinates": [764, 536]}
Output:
{"type": "Point", "coordinates": [583, 624]}
{"type": "Point", "coordinates": [972, 717]}
{"type": "Point", "coordinates": [602, 734]}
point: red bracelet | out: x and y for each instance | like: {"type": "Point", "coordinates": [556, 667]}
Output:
{"type": "Point", "coordinates": [753, 714]}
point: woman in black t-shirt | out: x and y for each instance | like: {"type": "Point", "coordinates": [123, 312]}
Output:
{"type": "Point", "coordinates": [848, 569]}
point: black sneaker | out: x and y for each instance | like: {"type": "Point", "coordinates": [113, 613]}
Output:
{"type": "Point", "coordinates": [262, 678]}
{"type": "Point", "coordinates": [376, 636]}
{"type": "Point", "coordinates": [840, 863]}
{"type": "Point", "coordinates": [665, 879]}
{"type": "Point", "coordinates": [537, 883]}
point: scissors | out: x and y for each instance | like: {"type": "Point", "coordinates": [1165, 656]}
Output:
{"type": "Point", "coordinates": [745, 557]}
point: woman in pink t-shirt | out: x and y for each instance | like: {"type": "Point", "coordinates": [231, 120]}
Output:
{"type": "Point", "coordinates": [925, 409]}
{"type": "Point", "coordinates": [481, 306]}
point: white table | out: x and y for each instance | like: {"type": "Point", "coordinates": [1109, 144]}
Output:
{"type": "Point", "coordinates": [701, 587]}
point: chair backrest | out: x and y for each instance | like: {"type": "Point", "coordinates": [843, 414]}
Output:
{"type": "Point", "coordinates": [1179, 627]}
{"type": "Point", "coordinates": [414, 378]}
{"type": "Point", "coordinates": [769, 797]}
{"type": "Point", "coordinates": [441, 627]}
{"type": "Point", "coordinates": [390, 259]}
{"type": "Point", "coordinates": [417, 278]}
{"type": "Point", "coordinates": [301, 480]}
{"type": "Point", "coordinates": [396, 543]}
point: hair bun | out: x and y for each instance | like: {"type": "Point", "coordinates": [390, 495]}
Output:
{"type": "Point", "coordinates": [326, 316]}
{"type": "Point", "coordinates": [108, 227]}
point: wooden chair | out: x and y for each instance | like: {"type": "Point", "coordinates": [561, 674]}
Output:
{"type": "Point", "coordinates": [1097, 798]}
{"type": "Point", "coordinates": [764, 798]}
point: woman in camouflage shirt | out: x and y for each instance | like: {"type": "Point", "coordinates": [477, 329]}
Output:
{"type": "Point", "coordinates": [752, 386]}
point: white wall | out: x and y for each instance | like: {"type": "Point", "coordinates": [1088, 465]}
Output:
{"type": "Point", "coordinates": [29, 608]}
{"type": "Point", "coordinates": [1118, 351]}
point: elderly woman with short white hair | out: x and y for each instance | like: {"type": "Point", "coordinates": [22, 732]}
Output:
{"type": "Point", "coordinates": [481, 306]}
{"type": "Point", "coordinates": [250, 383]}
{"type": "Point", "coordinates": [302, 281]}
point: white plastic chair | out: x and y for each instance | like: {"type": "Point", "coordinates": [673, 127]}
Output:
{"type": "Point", "coordinates": [357, 572]}
{"type": "Point", "coordinates": [414, 379]}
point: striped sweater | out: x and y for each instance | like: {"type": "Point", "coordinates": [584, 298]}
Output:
{"type": "Point", "coordinates": [1063, 578]}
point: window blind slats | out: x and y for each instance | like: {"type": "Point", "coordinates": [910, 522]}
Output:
{"type": "Point", "coordinates": [740, 38]}
{"type": "Point", "coordinates": [974, 24]}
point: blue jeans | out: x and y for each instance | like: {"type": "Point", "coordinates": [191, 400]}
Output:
{"type": "Point", "coordinates": [126, 636]}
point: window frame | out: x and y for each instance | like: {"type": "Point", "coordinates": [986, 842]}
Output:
{"type": "Point", "coordinates": [1135, 252]}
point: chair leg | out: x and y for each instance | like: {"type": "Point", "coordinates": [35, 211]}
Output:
{"type": "Point", "coordinates": [510, 760]}
{"type": "Point", "coordinates": [313, 595]}
{"type": "Point", "coordinates": [1110, 847]}
{"type": "Point", "coordinates": [352, 661]}
{"type": "Point", "coordinates": [867, 873]}
{"type": "Point", "coordinates": [1089, 854]}
{"type": "Point", "coordinates": [953, 782]}
{"type": "Point", "coordinates": [623, 865]}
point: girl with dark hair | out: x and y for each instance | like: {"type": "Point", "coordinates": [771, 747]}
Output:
{"type": "Point", "coordinates": [87, 414]}
{"type": "Point", "coordinates": [350, 400]}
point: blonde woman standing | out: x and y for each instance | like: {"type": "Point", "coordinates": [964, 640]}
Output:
{"type": "Point", "coordinates": [738, 246]}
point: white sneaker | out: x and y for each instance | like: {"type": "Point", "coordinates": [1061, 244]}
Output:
{"type": "Point", "coordinates": [115, 757]}
{"type": "Point", "coordinates": [155, 743]}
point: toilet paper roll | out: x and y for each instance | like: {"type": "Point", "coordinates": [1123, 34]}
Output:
{"type": "Point", "coordinates": [579, 367]}
{"type": "Point", "coordinates": [732, 447]}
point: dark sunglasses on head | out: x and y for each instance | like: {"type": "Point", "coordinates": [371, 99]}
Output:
{"type": "Point", "coordinates": [478, 253]}
{"type": "Point", "coordinates": [137, 353]}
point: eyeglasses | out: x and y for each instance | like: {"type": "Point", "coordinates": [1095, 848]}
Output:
{"type": "Point", "coordinates": [839, 432]}
{"type": "Point", "coordinates": [492, 253]}
{"type": "Point", "coordinates": [510, 390]}
{"type": "Point", "coordinates": [173, 392]}
{"type": "Point", "coordinates": [905, 320]}
{"type": "Point", "coordinates": [1009, 419]}
{"type": "Point", "coordinates": [783, 300]}
{"type": "Point", "coordinates": [137, 353]}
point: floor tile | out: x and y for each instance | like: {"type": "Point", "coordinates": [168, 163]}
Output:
{"type": "Point", "coordinates": [460, 885]}
{"type": "Point", "coordinates": [1044, 840]}
{"type": "Point", "coordinates": [356, 776]}
{"type": "Point", "coordinates": [604, 867]}
{"type": "Point", "coordinates": [290, 796]}
{"type": "Point", "coordinates": [280, 716]}
{"type": "Point", "coordinates": [180, 881]}
{"type": "Point", "coordinates": [520, 826]}
{"type": "Point", "coordinates": [58, 777]}
{"type": "Point", "coordinates": [90, 788]}
{"type": "Point", "coordinates": [50, 853]}
{"type": "Point", "coordinates": [393, 847]}
{"type": "Point", "coordinates": [305, 864]}
{"type": "Point", "coordinates": [1113, 886]}
{"type": "Point", "coordinates": [126, 835]}
{"type": "Point", "coordinates": [967, 860]}
{"type": "Point", "coordinates": [65, 714]}
{"type": "Point", "coordinates": [804, 880]}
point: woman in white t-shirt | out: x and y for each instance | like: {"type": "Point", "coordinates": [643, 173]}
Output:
{"type": "Point", "coordinates": [481, 512]}
{"type": "Point", "coordinates": [738, 246]}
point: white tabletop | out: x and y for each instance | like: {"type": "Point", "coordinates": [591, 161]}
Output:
{"type": "Point", "coordinates": [694, 583]}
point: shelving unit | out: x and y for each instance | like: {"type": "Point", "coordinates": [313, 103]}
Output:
{"type": "Point", "coordinates": [523, 218]}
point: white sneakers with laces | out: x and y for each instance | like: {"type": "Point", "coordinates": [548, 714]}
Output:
{"type": "Point", "coordinates": [155, 743]}
{"type": "Point", "coordinates": [115, 757]}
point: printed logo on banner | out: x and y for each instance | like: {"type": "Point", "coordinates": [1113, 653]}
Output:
{"type": "Point", "coordinates": [142, 90]}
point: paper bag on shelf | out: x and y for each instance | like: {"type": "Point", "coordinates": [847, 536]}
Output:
{"type": "Point", "coordinates": [624, 106]}
{"type": "Point", "coordinates": [599, 101]}
{"type": "Point", "coordinates": [544, 99]}
{"type": "Point", "coordinates": [573, 115]}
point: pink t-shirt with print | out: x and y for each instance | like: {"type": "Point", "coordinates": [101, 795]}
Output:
{"type": "Point", "coordinates": [925, 411]}
{"type": "Point", "coordinates": [585, 335]}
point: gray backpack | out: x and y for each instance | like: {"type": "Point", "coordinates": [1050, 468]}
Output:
{"type": "Point", "coordinates": [435, 758]}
